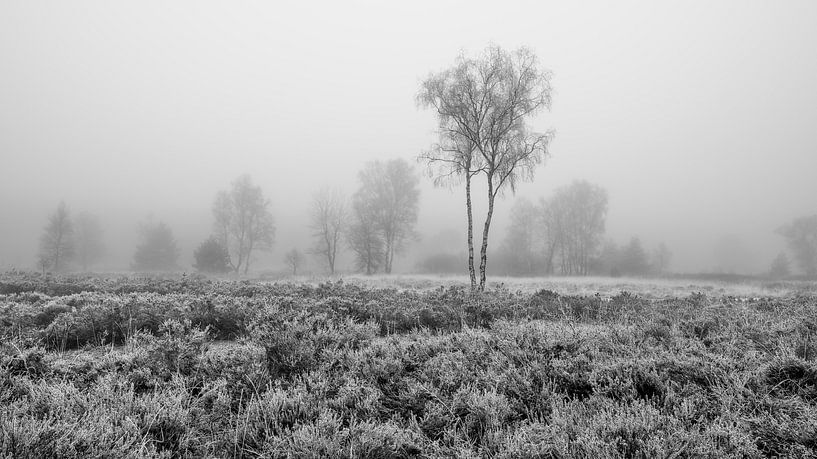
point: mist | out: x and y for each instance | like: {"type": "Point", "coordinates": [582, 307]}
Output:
{"type": "Point", "coordinates": [697, 118]}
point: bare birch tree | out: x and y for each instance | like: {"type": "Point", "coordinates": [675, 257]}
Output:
{"type": "Point", "coordinates": [482, 105]}
{"type": "Point", "coordinates": [328, 223]}
{"type": "Point", "coordinates": [450, 161]}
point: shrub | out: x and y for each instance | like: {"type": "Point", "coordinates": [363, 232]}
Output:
{"type": "Point", "coordinates": [212, 257]}
{"type": "Point", "coordinates": [294, 342]}
{"type": "Point", "coordinates": [792, 377]}
{"type": "Point", "coordinates": [178, 348]}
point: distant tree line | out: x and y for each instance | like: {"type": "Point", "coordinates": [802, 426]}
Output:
{"type": "Point", "coordinates": [564, 235]}
{"type": "Point", "coordinates": [375, 225]}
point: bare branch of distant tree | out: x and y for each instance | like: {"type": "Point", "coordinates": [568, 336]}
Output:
{"type": "Point", "coordinates": [294, 259]}
{"type": "Point", "coordinates": [57, 247]}
{"type": "Point", "coordinates": [328, 222]}
{"type": "Point", "coordinates": [243, 222]}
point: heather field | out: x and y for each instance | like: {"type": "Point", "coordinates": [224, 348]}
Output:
{"type": "Point", "coordinates": [116, 366]}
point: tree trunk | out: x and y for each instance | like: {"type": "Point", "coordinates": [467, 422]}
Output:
{"type": "Point", "coordinates": [483, 253]}
{"type": "Point", "coordinates": [57, 249]}
{"type": "Point", "coordinates": [240, 261]}
{"type": "Point", "coordinates": [247, 258]}
{"type": "Point", "coordinates": [551, 251]}
{"type": "Point", "coordinates": [471, 272]}
{"type": "Point", "coordinates": [332, 251]}
{"type": "Point", "coordinates": [389, 254]}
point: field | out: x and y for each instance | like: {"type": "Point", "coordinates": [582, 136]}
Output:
{"type": "Point", "coordinates": [117, 366]}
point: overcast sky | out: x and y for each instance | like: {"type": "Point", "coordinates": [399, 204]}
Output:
{"type": "Point", "coordinates": [698, 117]}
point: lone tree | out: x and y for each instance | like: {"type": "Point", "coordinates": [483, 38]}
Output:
{"type": "Point", "coordinates": [243, 222]}
{"type": "Point", "coordinates": [482, 106]}
{"type": "Point", "coordinates": [89, 244]}
{"type": "Point", "coordinates": [212, 257]}
{"type": "Point", "coordinates": [57, 244]}
{"type": "Point", "coordinates": [294, 260]}
{"type": "Point", "coordinates": [328, 223]}
{"type": "Point", "coordinates": [158, 250]}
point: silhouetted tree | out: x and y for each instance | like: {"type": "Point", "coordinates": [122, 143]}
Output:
{"type": "Point", "coordinates": [328, 223]}
{"type": "Point", "coordinates": [482, 105]}
{"type": "Point", "coordinates": [548, 230]}
{"type": "Point", "coordinates": [158, 250]}
{"type": "Point", "coordinates": [661, 258]}
{"type": "Point", "coordinates": [243, 222]}
{"type": "Point", "coordinates": [57, 246]}
{"type": "Point", "coordinates": [633, 259]}
{"type": "Point", "coordinates": [90, 247]}
{"type": "Point", "coordinates": [577, 215]}
{"type": "Point", "coordinates": [520, 247]}
{"type": "Point", "coordinates": [212, 257]}
{"type": "Point", "coordinates": [390, 189]}
{"type": "Point", "coordinates": [781, 267]}
{"type": "Point", "coordinates": [608, 262]}
{"type": "Point", "coordinates": [43, 263]}
{"type": "Point", "coordinates": [801, 237]}
{"type": "Point", "coordinates": [294, 260]}
{"type": "Point", "coordinates": [364, 235]}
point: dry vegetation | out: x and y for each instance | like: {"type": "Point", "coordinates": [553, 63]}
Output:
{"type": "Point", "coordinates": [190, 367]}
{"type": "Point", "coordinates": [655, 288]}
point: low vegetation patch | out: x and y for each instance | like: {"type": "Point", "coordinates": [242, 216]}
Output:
{"type": "Point", "coordinates": [201, 368]}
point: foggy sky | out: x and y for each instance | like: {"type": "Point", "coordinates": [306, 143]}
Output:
{"type": "Point", "coordinates": [697, 117]}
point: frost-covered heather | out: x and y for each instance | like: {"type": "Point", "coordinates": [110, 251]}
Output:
{"type": "Point", "coordinates": [606, 286]}
{"type": "Point", "coordinates": [191, 367]}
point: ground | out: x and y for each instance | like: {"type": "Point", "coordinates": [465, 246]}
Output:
{"type": "Point", "coordinates": [405, 366]}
